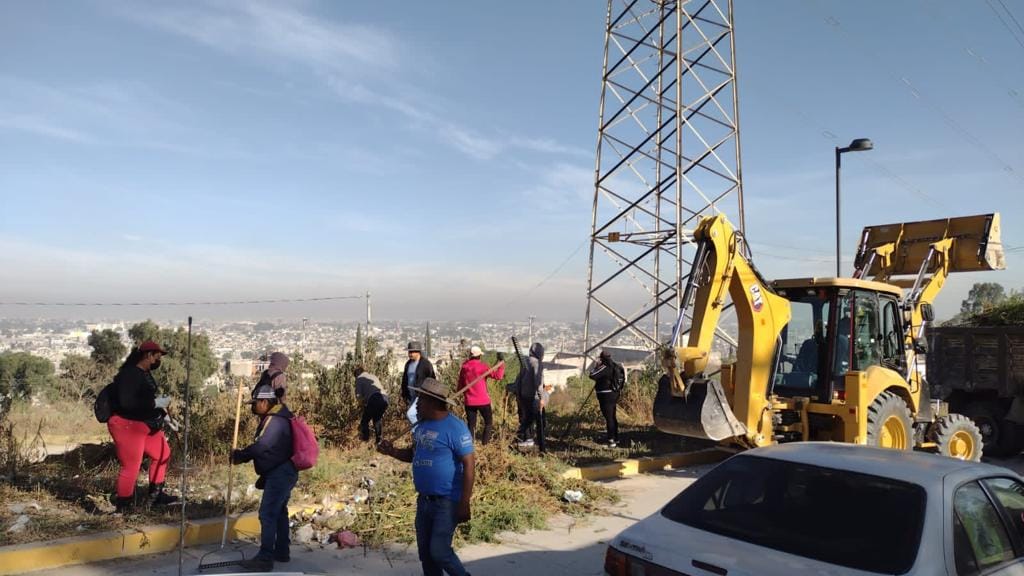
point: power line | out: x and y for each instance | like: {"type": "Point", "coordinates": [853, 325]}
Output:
{"type": "Point", "coordinates": [196, 303]}
{"type": "Point", "coordinates": [552, 274]}
{"type": "Point", "coordinates": [1012, 17]}
{"type": "Point", "coordinates": [1004, 22]}
{"type": "Point", "coordinates": [918, 94]}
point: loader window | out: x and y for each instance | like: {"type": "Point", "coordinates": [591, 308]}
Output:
{"type": "Point", "coordinates": [867, 348]}
{"type": "Point", "coordinates": [794, 507]}
{"type": "Point", "coordinates": [892, 337]}
{"type": "Point", "coordinates": [804, 352]}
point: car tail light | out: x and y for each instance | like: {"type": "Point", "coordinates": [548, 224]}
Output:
{"type": "Point", "coordinates": [615, 563]}
{"type": "Point", "coordinates": [618, 563]}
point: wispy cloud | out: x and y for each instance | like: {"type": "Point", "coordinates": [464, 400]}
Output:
{"type": "Point", "coordinates": [108, 113]}
{"type": "Point", "coordinates": [359, 63]}
{"type": "Point", "coordinates": [564, 190]}
{"type": "Point", "coordinates": [41, 126]}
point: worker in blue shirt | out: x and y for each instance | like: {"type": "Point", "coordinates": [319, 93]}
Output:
{"type": "Point", "coordinates": [443, 466]}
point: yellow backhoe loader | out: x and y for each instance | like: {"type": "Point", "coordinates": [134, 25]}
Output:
{"type": "Point", "coordinates": [822, 358]}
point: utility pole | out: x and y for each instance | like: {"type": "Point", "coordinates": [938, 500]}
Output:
{"type": "Point", "coordinates": [368, 315]}
{"type": "Point", "coordinates": [304, 337]}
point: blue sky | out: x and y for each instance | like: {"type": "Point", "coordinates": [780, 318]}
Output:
{"type": "Point", "coordinates": [440, 155]}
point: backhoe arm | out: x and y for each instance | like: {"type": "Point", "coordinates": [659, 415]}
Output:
{"type": "Point", "coordinates": [720, 269]}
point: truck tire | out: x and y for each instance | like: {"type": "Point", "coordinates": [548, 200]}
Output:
{"type": "Point", "coordinates": [999, 436]}
{"type": "Point", "coordinates": [958, 437]}
{"type": "Point", "coordinates": [889, 423]}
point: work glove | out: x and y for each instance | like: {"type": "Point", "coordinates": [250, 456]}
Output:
{"type": "Point", "coordinates": [237, 457]}
{"type": "Point", "coordinates": [162, 401]}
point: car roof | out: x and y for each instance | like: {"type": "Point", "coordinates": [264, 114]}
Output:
{"type": "Point", "coordinates": [920, 468]}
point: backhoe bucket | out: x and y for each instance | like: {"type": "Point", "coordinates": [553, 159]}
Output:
{"type": "Point", "coordinates": [702, 412]}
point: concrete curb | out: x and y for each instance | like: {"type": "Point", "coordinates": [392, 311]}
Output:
{"type": "Point", "coordinates": [164, 538]}
{"type": "Point", "coordinates": [633, 466]}
{"type": "Point", "coordinates": [124, 543]}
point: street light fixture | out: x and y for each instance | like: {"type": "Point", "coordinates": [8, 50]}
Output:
{"type": "Point", "coordinates": [858, 145]}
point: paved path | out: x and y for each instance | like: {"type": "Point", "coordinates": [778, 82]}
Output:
{"type": "Point", "coordinates": [567, 546]}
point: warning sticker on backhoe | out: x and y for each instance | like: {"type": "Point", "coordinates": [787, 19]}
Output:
{"type": "Point", "coordinates": [756, 298]}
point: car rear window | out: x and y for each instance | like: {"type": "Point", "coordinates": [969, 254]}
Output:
{"type": "Point", "coordinates": [836, 516]}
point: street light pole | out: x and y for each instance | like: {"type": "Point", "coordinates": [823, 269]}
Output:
{"type": "Point", "coordinates": [839, 156]}
{"type": "Point", "coordinates": [858, 145]}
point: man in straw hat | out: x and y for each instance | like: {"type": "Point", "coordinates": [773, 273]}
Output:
{"type": "Point", "coordinates": [443, 468]}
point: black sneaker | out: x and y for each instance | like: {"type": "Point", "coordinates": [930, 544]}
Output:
{"type": "Point", "coordinates": [124, 505]}
{"type": "Point", "coordinates": [257, 565]}
{"type": "Point", "coordinates": [286, 557]}
{"type": "Point", "coordinates": [157, 496]}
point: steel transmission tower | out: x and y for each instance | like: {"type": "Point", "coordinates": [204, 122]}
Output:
{"type": "Point", "coordinates": [668, 152]}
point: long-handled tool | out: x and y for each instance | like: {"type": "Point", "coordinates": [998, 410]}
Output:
{"type": "Point", "coordinates": [227, 503]}
{"type": "Point", "coordinates": [184, 456]}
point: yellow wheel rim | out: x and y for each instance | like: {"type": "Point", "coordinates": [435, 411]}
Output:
{"type": "Point", "coordinates": [961, 445]}
{"type": "Point", "coordinates": [894, 434]}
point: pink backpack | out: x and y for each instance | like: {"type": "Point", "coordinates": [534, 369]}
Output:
{"type": "Point", "coordinates": [304, 446]}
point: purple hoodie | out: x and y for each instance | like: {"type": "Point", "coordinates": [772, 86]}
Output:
{"type": "Point", "coordinates": [279, 361]}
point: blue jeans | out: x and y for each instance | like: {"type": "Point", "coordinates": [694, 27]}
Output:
{"type": "Point", "coordinates": [435, 527]}
{"type": "Point", "coordinates": [274, 533]}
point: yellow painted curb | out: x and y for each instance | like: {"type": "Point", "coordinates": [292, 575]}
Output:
{"type": "Point", "coordinates": [633, 466]}
{"type": "Point", "coordinates": [108, 545]}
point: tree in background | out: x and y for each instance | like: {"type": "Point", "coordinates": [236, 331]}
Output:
{"type": "Point", "coordinates": [171, 373]}
{"type": "Point", "coordinates": [107, 347]}
{"type": "Point", "coordinates": [426, 343]}
{"type": "Point", "coordinates": [983, 295]}
{"type": "Point", "coordinates": [81, 376]}
{"type": "Point", "coordinates": [22, 374]}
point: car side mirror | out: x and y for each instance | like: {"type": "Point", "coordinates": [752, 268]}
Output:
{"type": "Point", "coordinates": [927, 312]}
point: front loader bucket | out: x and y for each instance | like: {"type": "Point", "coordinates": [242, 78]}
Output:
{"type": "Point", "coordinates": [702, 412]}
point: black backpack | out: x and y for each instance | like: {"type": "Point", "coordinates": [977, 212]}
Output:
{"type": "Point", "coordinates": [618, 377]}
{"type": "Point", "coordinates": [103, 407]}
{"type": "Point", "coordinates": [267, 377]}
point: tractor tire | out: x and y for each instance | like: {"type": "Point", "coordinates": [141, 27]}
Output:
{"type": "Point", "coordinates": [889, 423]}
{"type": "Point", "coordinates": [1001, 438]}
{"type": "Point", "coordinates": [958, 437]}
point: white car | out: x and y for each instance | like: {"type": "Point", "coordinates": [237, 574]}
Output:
{"type": "Point", "coordinates": [831, 509]}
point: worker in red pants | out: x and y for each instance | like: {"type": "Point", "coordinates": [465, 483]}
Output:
{"type": "Point", "coordinates": [136, 426]}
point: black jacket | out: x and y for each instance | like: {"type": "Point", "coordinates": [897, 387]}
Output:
{"type": "Point", "coordinates": [603, 376]}
{"type": "Point", "coordinates": [136, 395]}
{"type": "Point", "coordinates": [531, 376]}
{"type": "Point", "coordinates": [424, 370]}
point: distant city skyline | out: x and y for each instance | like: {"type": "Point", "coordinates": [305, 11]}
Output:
{"type": "Point", "coordinates": [442, 157]}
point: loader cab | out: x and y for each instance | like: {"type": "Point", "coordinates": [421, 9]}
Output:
{"type": "Point", "coordinates": [836, 326]}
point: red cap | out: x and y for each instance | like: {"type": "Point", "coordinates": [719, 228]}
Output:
{"type": "Point", "coordinates": [150, 346]}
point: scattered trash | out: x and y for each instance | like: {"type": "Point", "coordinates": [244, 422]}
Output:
{"type": "Point", "coordinates": [360, 495]}
{"type": "Point", "coordinates": [573, 496]}
{"type": "Point", "coordinates": [101, 502]}
{"type": "Point", "coordinates": [18, 525]}
{"type": "Point", "coordinates": [344, 539]}
{"type": "Point", "coordinates": [367, 482]}
{"type": "Point", "coordinates": [304, 535]}
{"type": "Point", "coordinates": [21, 507]}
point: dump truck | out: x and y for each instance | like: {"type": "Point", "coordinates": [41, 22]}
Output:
{"type": "Point", "coordinates": [822, 358]}
{"type": "Point", "coordinates": [979, 371]}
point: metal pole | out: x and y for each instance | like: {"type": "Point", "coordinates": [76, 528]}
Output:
{"type": "Point", "coordinates": [597, 179]}
{"type": "Point", "coordinates": [839, 153]}
{"type": "Point", "coordinates": [184, 456]}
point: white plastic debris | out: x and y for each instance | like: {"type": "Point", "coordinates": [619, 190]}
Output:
{"type": "Point", "coordinates": [305, 534]}
{"type": "Point", "coordinates": [360, 495]}
{"type": "Point", "coordinates": [21, 507]}
{"type": "Point", "coordinates": [573, 496]}
{"type": "Point", "coordinates": [18, 525]}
